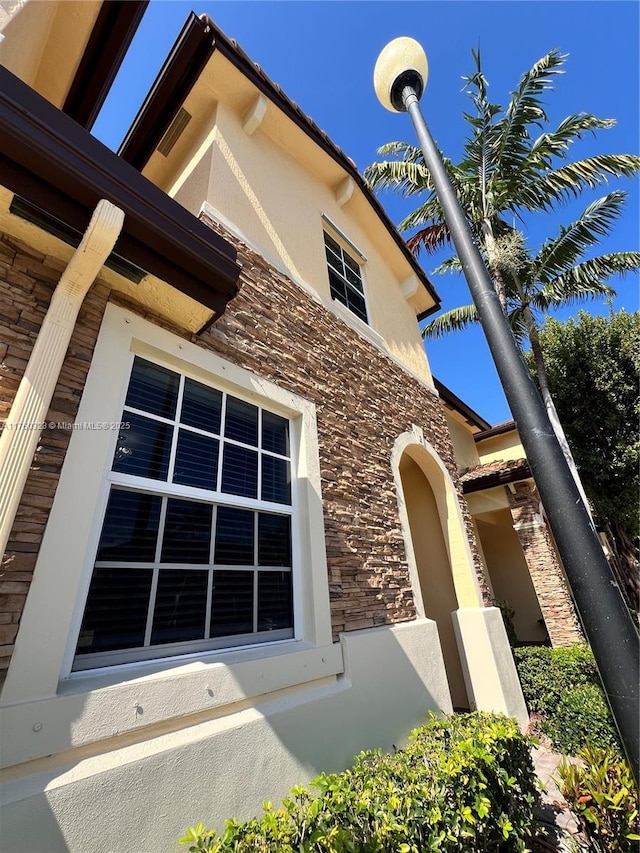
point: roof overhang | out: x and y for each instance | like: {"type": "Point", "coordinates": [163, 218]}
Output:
{"type": "Point", "coordinates": [48, 159]}
{"type": "Point", "coordinates": [495, 474]}
{"type": "Point", "coordinates": [457, 406]}
{"type": "Point", "coordinates": [197, 43]}
{"type": "Point", "coordinates": [108, 43]}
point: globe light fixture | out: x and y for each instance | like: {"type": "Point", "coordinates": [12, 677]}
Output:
{"type": "Point", "coordinates": [400, 77]}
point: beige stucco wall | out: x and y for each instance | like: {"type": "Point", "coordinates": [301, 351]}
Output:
{"type": "Point", "coordinates": [506, 446]}
{"type": "Point", "coordinates": [277, 203]}
{"type": "Point", "coordinates": [44, 41]}
{"type": "Point", "coordinates": [464, 446]}
{"type": "Point", "coordinates": [509, 573]}
{"type": "Point", "coordinates": [122, 794]}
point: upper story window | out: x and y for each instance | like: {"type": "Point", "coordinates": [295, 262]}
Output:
{"type": "Point", "coordinates": [345, 278]}
{"type": "Point", "coordinates": [196, 544]}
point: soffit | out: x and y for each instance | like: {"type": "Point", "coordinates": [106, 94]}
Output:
{"type": "Point", "coordinates": [151, 294]}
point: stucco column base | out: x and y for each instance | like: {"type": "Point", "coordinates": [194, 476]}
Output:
{"type": "Point", "coordinates": [489, 670]}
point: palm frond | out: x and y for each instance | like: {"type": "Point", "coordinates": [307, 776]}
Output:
{"type": "Point", "coordinates": [429, 212]}
{"type": "Point", "coordinates": [559, 185]}
{"type": "Point", "coordinates": [451, 321]}
{"type": "Point", "coordinates": [408, 152]}
{"type": "Point", "coordinates": [560, 253]}
{"type": "Point", "coordinates": [431, 238]}
{"type": "Point", "coordinates": [586, 280]}
{"type": "Point", "coordinates": [518, 323]}
{"type": "Point", "coordinates": [564, 292]}
{"type": "Point", "coordinates": [451, 265]}
{"type": "Point", "coordinates": [408, 178]}
{"type": "Point", "coordinates": [480, 150]}
{"type": "Point", "coordinates": [556, 143]}
{"type": "Point", "coordinates": [525, 109]}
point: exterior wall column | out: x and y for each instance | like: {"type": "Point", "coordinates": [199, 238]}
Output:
{"type": "Point", "coordinates": [544, 566]}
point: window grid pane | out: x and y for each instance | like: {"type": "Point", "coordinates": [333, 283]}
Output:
{"type": "Point", "coordinates": [192, 566]}
{"type": "Point", "coordinates": [345, 278]}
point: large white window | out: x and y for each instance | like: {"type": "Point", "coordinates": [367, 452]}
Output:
{"type": "Point", "coordinates": [345, 278]}
{"type": "Point", "coordinates": [196, 544]}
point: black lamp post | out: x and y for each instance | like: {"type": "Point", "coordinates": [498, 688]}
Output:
{"type": "Point", "coordinates": [400, 77]}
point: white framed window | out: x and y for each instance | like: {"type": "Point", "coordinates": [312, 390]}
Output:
{"type": "Point", "coordinates": [345, 278]}
{"type": "Point", "coordinates": [195, 550]}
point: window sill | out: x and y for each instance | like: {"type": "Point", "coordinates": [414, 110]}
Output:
{"type": "Point", "coordinates": [358, 325]}
{"type": "Point", "coordinates": [121, 699]}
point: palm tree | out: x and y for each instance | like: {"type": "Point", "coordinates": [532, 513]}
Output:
{"type": "Point", "coordinates": [507, 172]}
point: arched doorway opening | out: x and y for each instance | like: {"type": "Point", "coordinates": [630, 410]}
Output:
{"type": "Point", "coordinates": [430, 523]}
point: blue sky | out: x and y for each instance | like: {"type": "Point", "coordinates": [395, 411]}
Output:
{"type": "Point", "coordinates": [322, 53]}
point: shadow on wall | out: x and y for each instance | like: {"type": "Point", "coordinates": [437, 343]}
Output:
{"type": "Point", "coordinates": [140, 791]}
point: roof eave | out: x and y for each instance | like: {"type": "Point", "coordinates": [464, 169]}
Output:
{"type": "Point", "coordinates": [108, 43]}
{"type": "Point", "coordinates": [46, 157]}
{"type": "Point", "coordinates": [471, 416]}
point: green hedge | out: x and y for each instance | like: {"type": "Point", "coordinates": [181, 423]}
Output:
{"type": "Point", "coordinates": [463, 784]}
{"type": "Point", "coordinates": [562, 685]}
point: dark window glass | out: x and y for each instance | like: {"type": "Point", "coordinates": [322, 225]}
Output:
{"type": "Point", "coordinates": [356, 303]}
{"type": "Point", "coordinates": [275, 433]}
{"type": "Point", "coordinates": [338, 287]}
{"type": "Point", "coordinates": [351, 265]}
{"type": "Point", "coordinates": [234, 537]}
{"type": "Point", "coordinates": [241, 421]}
{"type": "Point", "coordinates": [196, 460]}
{"type": "Point", "coordinates": [274, 540]}
{"type": "Point", "coordinates": [232, 603]}
{"type": "Point", "coordinates": [354, 279]}
{"type": "Point", "coordinates": [274, 601]}
{"type": "Point", "coordinates": [201, 406]}
{"type": "Point", "coordinates": [331, 244]}
{"type": "Point", "coordinates": [240, 471]}
{"type": "Point", "coordinates": [334, 260]}
{"type": "Point", "coordinates": [187, 532]}
{"type": "Point", "coordinates": [153, 389]}
{"type": "Point", "coordinates": [143, 449]}
{"type": "Point", "coordinates": [276, 480]}
{"type": "Point", "coordinates": [181, 606]}
{"type": "Point", "coordinates": [130, 529]}
{"type": "Point", "coordinates": [116, 613]}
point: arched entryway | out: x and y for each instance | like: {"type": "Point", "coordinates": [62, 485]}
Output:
{"type": "Point", "coordinates": [433, 569]}
{"type": "Point", "coordinates": [440, 561]}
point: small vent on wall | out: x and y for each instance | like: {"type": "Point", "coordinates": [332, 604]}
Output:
{"type": "Point", "coordinates": [174, 131]}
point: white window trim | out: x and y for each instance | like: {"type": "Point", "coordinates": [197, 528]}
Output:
{"type": "Point", "coordinates": [39, 684]}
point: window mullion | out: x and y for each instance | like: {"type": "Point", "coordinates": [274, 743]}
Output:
{"type": "Point", "coordinates": [223, 426]}
{"type": "Point", "coordinates": [176, 430]}
{"type": "Point", "coordinates": [156, 572]}
{"type": "Point", "coordinates": [207, 618]}
{"type": "Point", "coordinates": [255, 572]}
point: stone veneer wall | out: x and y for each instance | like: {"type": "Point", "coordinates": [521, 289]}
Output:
{"type": "Point", "coordinates": [546, 572]}
{"type": "Point", "coordinates": [364, 401]}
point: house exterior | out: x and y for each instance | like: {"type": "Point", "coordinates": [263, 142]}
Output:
{"type": "Point", "coordinates": [237, 547]}
{"type": "Point", "coordinates": [523, 567]}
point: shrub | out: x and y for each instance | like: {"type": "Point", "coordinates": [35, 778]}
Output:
{"type": "Point", "coordinates": [603, 796]}
{"type": "Point", "coordinates": [582, 718]}
{"type": "Point", "coordinates": [563, 686]}
{"type": "Point", "coordinates": [463, 783]}
{"type": "Point", "coordinates": [546, 674]}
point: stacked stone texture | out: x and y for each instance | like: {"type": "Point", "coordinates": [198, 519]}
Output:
{"type": "Point", "coordinates": [273, 328]}
{"type": "Point", "coordinates": [547, 574]}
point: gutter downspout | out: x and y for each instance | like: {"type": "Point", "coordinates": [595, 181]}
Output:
{"type": "Point", "coordinates": [23, 427]}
